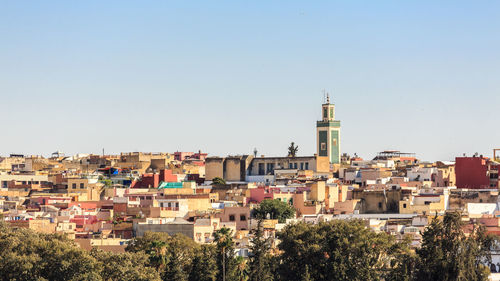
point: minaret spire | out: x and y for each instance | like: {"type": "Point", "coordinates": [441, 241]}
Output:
{"type": "Point", "coordinates": [328, 98]}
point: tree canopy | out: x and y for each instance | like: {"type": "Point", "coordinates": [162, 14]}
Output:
{"type": "Point", "coordinates": [218, 181]}
{"type": "Point", "coordinates": [226, 258]}
{"type": "Point", "coordinates": [336, 250]}
{"type": "Point", "coordinates": [274, 209]}
{"type": "Point", "coordinates": [260, 258]}
{"type": "Point", "coordinates": [447, 253]}
{"type": "Point", "coordinates": [28, 255]}
{"type": "Point", "coordinates": [333, 250]}
{"type": "Point", "coordinates": [172, 256]}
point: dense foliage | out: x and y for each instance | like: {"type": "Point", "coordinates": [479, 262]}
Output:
{"type": "Point", "coordinates": [338, 250]}
{"type": "Point", "coordinates": [274, 209]}
{"type": "Point", "coordinates": [260, 266]}
{"type": "Point", "coordinates": [226, 258]}
{"type": "Point", "coordinates": [27, 255]}
{"type": "Point", "coordinates": [448, 254]}
{"type": "Point", "coordinates": [335, 250]}
{"type": "Point", "coordinates": [218, 181]}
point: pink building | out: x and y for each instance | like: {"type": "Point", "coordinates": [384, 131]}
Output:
{"type": "Point", "coordinates": [181, 156]}
{"type": "Point", "coordinates": [239, 215]}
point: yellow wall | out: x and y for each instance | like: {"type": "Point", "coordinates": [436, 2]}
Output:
{"type": "Point", "coordinates": [421, 208]}
{"type": "Point", "coordinates": [322, 164]}
{"type": "Point", "coordinates": [317, 191]}
{"type": "Point", "coordinates": [214, 168]}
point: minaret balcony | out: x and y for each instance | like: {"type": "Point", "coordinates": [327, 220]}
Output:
{"type": "Point", "coordinates": [334, 123]}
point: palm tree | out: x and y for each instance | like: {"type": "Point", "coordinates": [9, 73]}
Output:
{"type": "Point", "coordinates": [292, 150]}
{"type": "Point", "coordinates": [157, 254]}
{"type": "Point", "coordinates": [225, 246]}
{"type": "Point", "coordinates": [242, 268]}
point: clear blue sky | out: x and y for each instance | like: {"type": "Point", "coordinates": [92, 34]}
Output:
{"type": "Point", "coordinates": [225, 77]}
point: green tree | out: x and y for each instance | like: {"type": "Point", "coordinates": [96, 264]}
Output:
{"type": "Point", "coordinates": [335, 250]}
{"type": "Point", "coordinates": [204, 264]}
{"type": "Point", "coordinates": [448, 254]}
{"type": "Point", "coordinates": [172, 255]}
{"type": "Point", "coordinates": [306, 276]}
{"type": "Point", "coordinates": [275, 208]}
{"type": "Point", "coordinates": [292, 150]}
{"type": "Point", "coordinates": [241, 269]}
{"type": "Point", "coordinates": [218, 181]}
{"type": "Point", "coordinates": [125, 266]}
{"type": "Point", "coordinates": [259, 261]}
{"type": "Point", "coordinates": [154, 245]}
{"type": "Point", "coordinates": [403, 262]}
{"type": "Point", "coordinates": [226, 260]}
{"type": "Point", "coordinates": [181, 250]}
{"type": "Point", "coordinates": [27, 255]}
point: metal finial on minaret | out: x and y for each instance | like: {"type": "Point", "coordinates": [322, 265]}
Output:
{"type": "Point", "coordinates": [328, 98]}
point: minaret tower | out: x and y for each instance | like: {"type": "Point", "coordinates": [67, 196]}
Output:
{"type": "Point", "coordinates": [328, 133]}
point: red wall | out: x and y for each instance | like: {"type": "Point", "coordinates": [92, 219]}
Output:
{"type": "Point", "coordinates": [153, 180]}
{"type": "Point", "coordinates": [167, 176]}
{"type": "Point", "coordinates": [471, 172]}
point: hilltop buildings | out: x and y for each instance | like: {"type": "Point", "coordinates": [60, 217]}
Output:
{"type": "Point", "coordinates": [105, 200]}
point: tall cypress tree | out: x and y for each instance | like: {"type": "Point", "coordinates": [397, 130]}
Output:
{"type": "Point", "coordinates": [448, 254]}
{"type": "Point", "coordinates": [259, 256]}
{"type": "Point", "coordinates": [204, 265]}
{"type": "Point", "coordinates": [226, 260]}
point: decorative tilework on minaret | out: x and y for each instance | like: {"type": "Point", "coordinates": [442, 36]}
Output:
{"type": "Point", "coordinates": [328, 133]}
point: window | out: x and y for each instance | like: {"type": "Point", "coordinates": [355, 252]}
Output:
{"type": "Point", "coordinates": [177, 204]}
{"type": "Point", "coordinates": [290, 166]}
{"type": "Point", "coordinates": [261, 169]}
{"type": "Point", "coordinates": [325, 112]}
{"type": "Point", "coordinates": [323, 146]}
{"type": "Point", "coordinates": [380, 205]}
{"type": "Point", "coordinates": [404, 205]}
{"type": "Point", "coordinates": [243, 218]}
{"type": "Point", "coordinates": [270, 168]}
{"type": "Point", "coordinates": [295, 165]}
{"type": "Point", "coordinates": [82, 186]}
{"type": "Point", "coordinates": [302, 166]}
{"type": "Point", "coordinates": [307, 165]}
{"type": "Point", "coordinates": [74, 186]}
{"type": "Point", "coordinates": [231, 217]}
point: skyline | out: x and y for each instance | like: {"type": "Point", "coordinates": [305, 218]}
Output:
{"type": "Point", "coordinates": [125, 76]}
